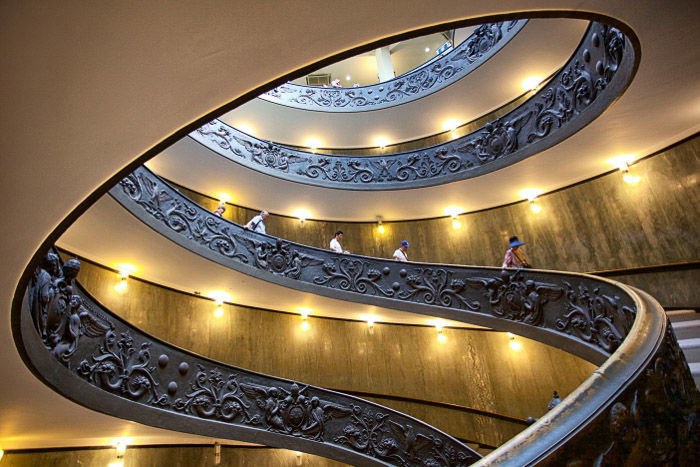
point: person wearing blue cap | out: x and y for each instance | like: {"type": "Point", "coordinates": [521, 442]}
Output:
{"type": "Point", "coordinates": [515, 257]}
{"type": "Point", "coordinates": [401, 254]}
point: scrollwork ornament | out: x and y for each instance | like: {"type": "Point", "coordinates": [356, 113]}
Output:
{"type": "Point", "coordinates": [121, 366]}
{"type": "Point", "coordinates": [352, 275]}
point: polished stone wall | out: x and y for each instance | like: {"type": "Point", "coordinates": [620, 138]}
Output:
{"type": "Point", "coordinates": [597, 225]}
{"type": "Point", "coordinates": [171, 456]}
{"type": "Point", "coordinates": [475, 368]}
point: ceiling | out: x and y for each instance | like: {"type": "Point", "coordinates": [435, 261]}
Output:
{"type": "Point", "coordinates": [87, 88]}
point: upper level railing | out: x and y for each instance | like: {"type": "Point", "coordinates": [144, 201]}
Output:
{"type": "Point", "coordinates": [482, 44]}
{"type": "Point", "coordinates": [643, 377]}
{"type": "Point", "coordinates": [596, 74]}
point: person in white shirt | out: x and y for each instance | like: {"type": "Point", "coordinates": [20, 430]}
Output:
{"type": "Point", "coordinates": [401, 254]}
{"type": "Point", "coordinates": [257, 223]}
{"type": "Point", "coordinates": [335, 243]}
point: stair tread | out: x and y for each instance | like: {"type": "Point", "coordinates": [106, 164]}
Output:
{"type": "Point", "coordinates": [694, 368]}
{"type": "Point", "coordinates": [677, 316]}
{"type": "Point", "coordinates": [691, 342]}
{"type": "Point", "coordinates": [685, 324]}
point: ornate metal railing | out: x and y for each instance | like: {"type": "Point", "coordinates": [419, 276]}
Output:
{"type": "Point", "coordinates": [482, 44]}
{"type": "Point", "coordinates": [643, 388]}
{"type": "Point", "coordinates": [595, 75]}
{"type": "Point", "coordinates": [104, 363]}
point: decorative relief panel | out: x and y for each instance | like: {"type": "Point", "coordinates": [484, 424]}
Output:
{"type": "Point", "coordinates": [485, 41]}
{"type": "Point", "coordinates": [595, 75]}
{"type": "Point", "coordinates": [117, 358]}
{"type": "Point", "coordinates": [591, 311]}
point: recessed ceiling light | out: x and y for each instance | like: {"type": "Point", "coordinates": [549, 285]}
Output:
{"type": "Point", "coordinates": [530, 193]}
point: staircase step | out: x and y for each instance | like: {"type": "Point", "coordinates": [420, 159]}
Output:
{"type": "Point", "coordinates": [691, 349]}
{"type": "Point", "coordinates": [682, 315]}
{"type": "Point", "coordinates": [695, 371]}
{"type": "Point", "coordinates": [687, 329]}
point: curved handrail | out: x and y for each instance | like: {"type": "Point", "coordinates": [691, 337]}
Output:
{"type": "Point", "coordinates": [430, 77]}
{"type": "Point", "coordinates": [596, 74]}
{"type": "Point", "coordinates": [597, 319]}
{"type": "Point", "coordinates": [104, 363]}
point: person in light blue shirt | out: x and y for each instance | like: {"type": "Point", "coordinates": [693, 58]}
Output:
{"type": "Point", "coordinates": [257, 223]}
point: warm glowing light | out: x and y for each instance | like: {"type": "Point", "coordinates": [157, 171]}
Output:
{"type": "Point", "coordinates": [305, 312]}
{"type": "Point", "coordinates": [245, 128]}
{"type": "Point", "coordinates": [536, 208]}
{"type": "Point", "coordinates": [120, 445]}
{"type": "Point", "coordinates": [530, 193]}
{"type": "Point", "coordinates": [371, 319]}
{"type": "Point", "coordinates": [456, 224]}
{"type": "Point", "coordinates": [631, 179]}
{"type": "Point", "coordinates": [224, 198]}
{"type": "Point", "coordinates": [219, 312]}
{"type": "Point", "coordinates": [301, 214]}
{"type": "Point", "coordinates": [122, 285]}
{"type": "Point", "coordinates": [116, 464]}
{"type": "Point", "coordinates": [623, 161]}
{"type": "Point", "coordinates": [1, 453]}
{"type": "Point", "coordinates": [442, 338]}
{"type": "Point", "coordinates": [514, 345]}
{"type": "Point", "coordinates": [305, 325]}
{"type": "Point", "coordinates": [438, 323]}
{"type": "Point", "coordinates": [381, 141]}
{"type": "Point", "coordinates": [348, 77]}
{"type": "Point", "coordinates": [313, 144]}
{"type": "Point", "coordinates": [427, 49]}
{"type": "Point", "coordinates": [451, 124]}
{"type": "Point", "coordinates": [219, 296]}
{"type": "Point", "coordinates": [453, 211]}
{"type": "Point", "coordinates": [531, 83]}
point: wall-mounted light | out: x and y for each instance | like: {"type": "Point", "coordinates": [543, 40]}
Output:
{"type": "Point", "coordinates": [451, 125]}
{"type": "Point", "coordinates": [305, 312]}
{"type": "Point", "coordinates": [380, 225]}
{"type": "Point", "coordinates": [217, 453]}
{"type": "Point", "coordinates": [124, 270]}
{"type": "Point", "coordinates": [382, 142]}
{"type": "Point", "coordinates": [442, 338]}
{"type": "Point", "coordinates": [297, 455]}
{"type": "Point", "coordinates": [454, 212]}
{"type": "Point", "coordinates": [223, 198]}
{"type": "Point", "coordinates": [348, 77]}
{"type": "Point", "coordinates": [313, 144]}
{"type": "Point", "coordinates": [514, 344]}
{"type": "Point", "coordinates": [219, 297]}
{"type": "Point", "coordinates": [531, 194]}
{"type": "Point", "coordinates": [302, 215]}
{"type": "Point", "coordinates": [531, 83]}
{"type": "Point", "coordinates": [427, 49]}
{"type": "Point", "coordinates": [2, 453]}
{"type": "Point", "coordinates": [623, 163]}
{"type": "Point", "coordinates": [439, 324]}
{"type": "Point", "coordinates": [370, 319]}
{"type": "Point", "coordinates": [245, 128]}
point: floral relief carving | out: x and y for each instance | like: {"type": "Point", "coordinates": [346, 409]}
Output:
{"type": "Point", "coordinates": [515, 298]}
{"type": "Point", "coordinates": [279, 257]}
{"type": "Point", "coordinates": [595, 317]}
{"type": "Point", "coordinates": [352, 275]}
{"type": "Point", "coordinates": [437, 287]}
{"type": "Point", "coordinates": [121, 366]}
{"type": "Point", "coordinates": [213, 396]}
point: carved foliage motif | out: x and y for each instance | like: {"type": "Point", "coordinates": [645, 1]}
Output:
{"type": "Point", "coordinates": [436, 286]}
{"type": "Point", "coordinates": [577, 86]}
{"type": "Point", "coordinates": [515, 298]}
{"type": "Point", "coordinates": [424, 80]}
{"type": "Point", "coordinates": [352, 275]}
{"type": "Point", "coordinates": [595, 317]}
{"type": "Point", "coordinates": [121, 366]}
{"type": "Point", "coordinates": [182, 217]}
{"type": "Point", "coordinates": [279, 257]}
{"type": "Point", "coordinates": [213, 396]}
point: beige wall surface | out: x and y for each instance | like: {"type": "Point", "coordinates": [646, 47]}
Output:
{"type": "Point", "coordinates": [474, 368]}
{"type": "Point", "coordinates": [598, 225]}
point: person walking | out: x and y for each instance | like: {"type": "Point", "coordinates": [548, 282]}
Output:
{"type": "Point", "coordinates": [335, 243]}
{"type": "Point", "coordinates": [515, 257]}
{"type": "Point", "coordinates": [257, 223]}
{"type": "Point", "coordinates": [401, 253]}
